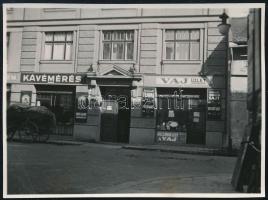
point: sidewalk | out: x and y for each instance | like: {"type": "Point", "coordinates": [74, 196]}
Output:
{"type": "Point", "coordinates": [189, 149]}
{"type": "Point", "coordinates": [54, 139]}
{"type": "Point", "coordinates": [63, 140]}
{"type": "Point", "coordinates": [182, 149]}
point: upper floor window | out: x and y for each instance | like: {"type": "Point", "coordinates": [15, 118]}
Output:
{"type": "Point", "coordinates": [182, 44]}
{"type": "Point", "coordinates": [58, 45]}
{"type": "Point", "coordinates": [240, 53]}
{"type": "Point", "coordinates": [118, 45]}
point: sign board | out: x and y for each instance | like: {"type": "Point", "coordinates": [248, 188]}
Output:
{"type": "Point", "coordinates": [148, 101]}
{"type": "Point", "coordinates": [239, 67]}
{"type": "Point", "coordinates": [26, 97]}
{"type": "Point", "coordinates": [214, 105]}
{"type": "Point", "coordinates": [109, 108]}
{"type": "Point", "coordinates": [176, 137]}
{"type": "Point", "coordinates": [13, 77]}
{"type": "Point", "coordinates": [81, 107]}
{"type": "Point", "coordinates": [80, 115]}
{"type": "Point", "coordinates": [51, 78]}
{"type": "Point", "coordinates": [184, 81]}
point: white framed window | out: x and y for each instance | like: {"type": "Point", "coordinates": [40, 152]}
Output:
{"type": "Point", "coordinates": [118, 45]}
{"type": "Point", "coordinates": [182, 44]}
{"type": "Point", "coordinates": [58, 45]}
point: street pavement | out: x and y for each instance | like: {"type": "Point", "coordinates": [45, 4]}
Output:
{"type": "Point", "coordinates": [89, 168]}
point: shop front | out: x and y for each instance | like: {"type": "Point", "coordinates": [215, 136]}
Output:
{"type": "Point", "coordinates": [105, 114]}
{"type": "Point", "coordinates": [57, 93]}
{"type": "Point", "coordinates": [182, 110]}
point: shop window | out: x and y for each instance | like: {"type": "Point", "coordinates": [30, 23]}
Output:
{"type": "Point", "coordinates": [58, 45]}
{"type": "Point", "coordinates": [118, 45]}
{"type": "Point", "coordinates": [61, 102]}
{"type": "Point", "coordinates": [181, 116]}
{"type": "Point", "coordinates": [182, 44]}
{"type": "Point", "coordinates": [240, 53]}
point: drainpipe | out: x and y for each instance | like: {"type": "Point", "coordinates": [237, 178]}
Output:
{"type": "Point", "coordinates": [228, 99]}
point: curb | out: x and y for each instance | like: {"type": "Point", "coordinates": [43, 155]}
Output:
{"type": "Point", "coordinates": [57, 142]}
{"type": "Point", "coordinates": [60, 142]}
{"type": "Point", "coordinates": [207, 152]}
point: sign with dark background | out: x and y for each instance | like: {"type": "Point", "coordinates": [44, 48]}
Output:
{"type": "Point", "coordinates": [81, 107]}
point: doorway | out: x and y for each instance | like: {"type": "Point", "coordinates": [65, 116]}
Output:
{"type": "Point", "coordinates": [61, 103]}
{"type": "Point", "coordinates": [115, 116]}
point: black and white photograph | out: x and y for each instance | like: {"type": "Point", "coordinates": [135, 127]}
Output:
{"type": "Point", "coordinates": [133, 100]}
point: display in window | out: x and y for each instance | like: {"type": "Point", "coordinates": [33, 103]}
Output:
{"type": "Point", "coordinates": [148, 102]}
{"type": "Point", "coordinates": [180, 115]}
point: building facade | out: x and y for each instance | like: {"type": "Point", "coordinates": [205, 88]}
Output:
{"type": "Point", "coordinates": [238, 80]}
{"type": "Point", "coordinates": [131, 75]}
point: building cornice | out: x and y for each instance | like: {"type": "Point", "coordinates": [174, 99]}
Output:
{"type": "Point", "coordinates": [119, 20]}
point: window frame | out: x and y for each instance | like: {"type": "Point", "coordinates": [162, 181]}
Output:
{"type": "Point", "coordinates": [41, 38]}
{"type": "Point", "coordinates": [127, 27]}
{"type": "Point", "coordinates": [202, 26]}
{"type": "Point", "coordinates": [53, 42]}
{"type": "Point", "coordinates": [245, 56]}
{"type": "Point", "coordinates": [174, 41]}
{"type": "Point", "coordinates": [112, 41]}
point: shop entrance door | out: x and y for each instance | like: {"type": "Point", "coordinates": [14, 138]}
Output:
{"type": "Point", "coordinates": [196, 126]}
{"type": "Point", "coordinates": [62, 105]}
{"type": "Point", "coordinates": [115, 117]}
{"type": "Point", "coordinates": [109, 119]}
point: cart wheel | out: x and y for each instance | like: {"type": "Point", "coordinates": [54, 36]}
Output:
{"type": "Point", "coordinates": [34, 131]}
{"type": "Point", "coordinates": [31, 129]}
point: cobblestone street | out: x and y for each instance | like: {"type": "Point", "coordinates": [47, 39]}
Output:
{"type": "Point", "coordinates": [105, 168]}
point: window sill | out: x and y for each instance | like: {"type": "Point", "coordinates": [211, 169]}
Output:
{"type": "Point", "coordinates": [181, 61]}
{"type": "Point", "coordinates": [117, 61]}
{"type": "Point", "coordinates": [56, 61]}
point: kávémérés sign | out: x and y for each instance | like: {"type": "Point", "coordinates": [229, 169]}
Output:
{"type": "Point", "coordinates": [51, 78]}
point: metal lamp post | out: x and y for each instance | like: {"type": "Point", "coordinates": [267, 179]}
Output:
{"type": "Point", "coordinates": [224, 28]}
